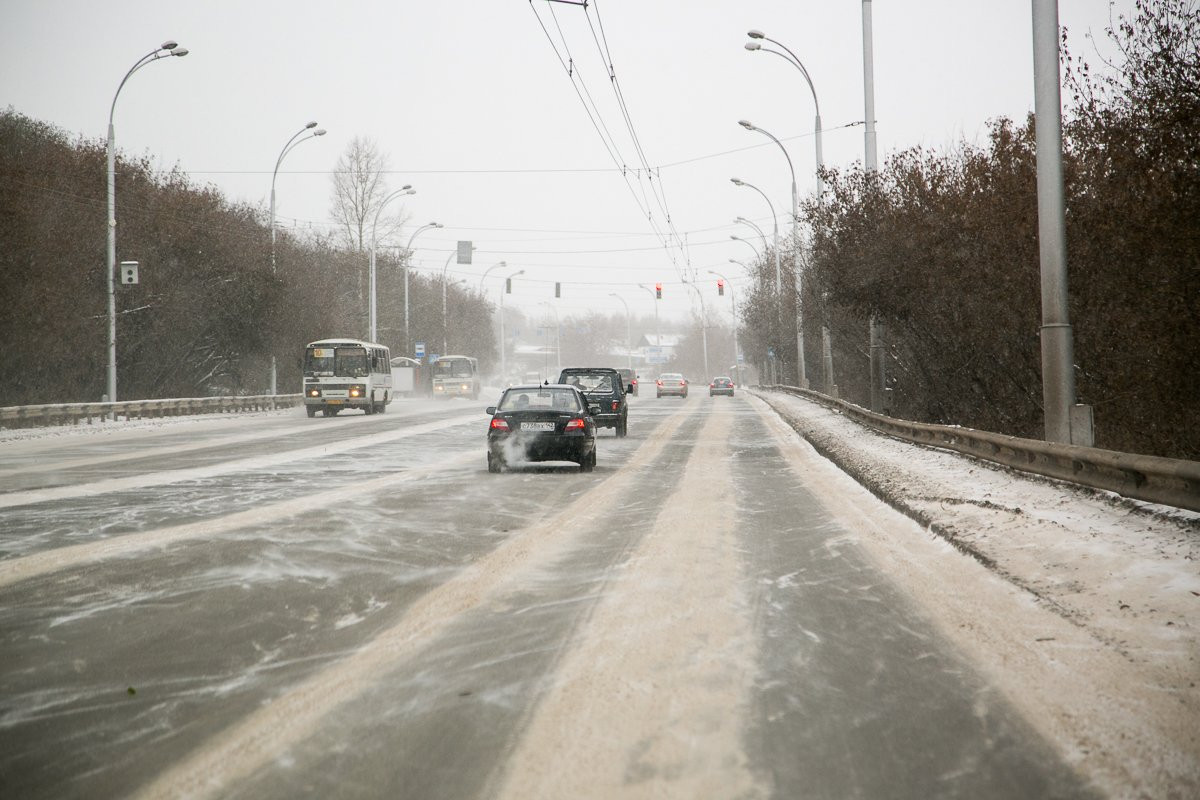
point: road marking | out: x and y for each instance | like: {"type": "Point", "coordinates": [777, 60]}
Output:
{"type": "Point", "coordinates": [652, 697]}
{"type": "Point", "coordinates": [31, 496]}
{"type": "Point", "coordinates": [152, 452]}
{"type": "Point", "coordinates": [295, 715]}
{"type": "Point", "coordinates": [20, 569]}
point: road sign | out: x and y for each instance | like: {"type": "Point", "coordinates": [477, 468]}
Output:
{"type": "Point", "coordinates": [464, 252]}
{"type": "Point", "coordinates": [419, 349]}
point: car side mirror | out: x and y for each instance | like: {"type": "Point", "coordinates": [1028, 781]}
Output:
{"type": "Point", "coordinates": [593, 410]}
{"type": "Point", "coordinates": [490, 410]}
{"type": "Point", "coordinates": [629, 389]}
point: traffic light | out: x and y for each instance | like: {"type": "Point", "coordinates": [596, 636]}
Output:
{"type": "Point", "coordinates": [558, 290]}
{"type": "Point", "coordinates": [721, 286]}
{"type": "Point", "coordinates": [508, 285]}
{"type": "Point", "coordinates": [658, 291]}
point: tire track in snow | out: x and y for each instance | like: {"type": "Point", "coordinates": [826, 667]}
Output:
{"type": "Point", "coordinates": [21, 569]}
{"type": "Point", "coordinates": [267, 733]}
{"type": "Point", "coordinates": [153, 452]}
{"type": "Point", "coordinates": [651, 698]}
{"type": "Point", "coordinates": [33, 496]}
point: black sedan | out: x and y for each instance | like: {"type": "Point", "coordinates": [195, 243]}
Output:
{"type": "Point", "coordinates": [551, 422]}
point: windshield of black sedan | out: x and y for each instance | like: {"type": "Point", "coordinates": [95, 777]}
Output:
{"type": "Point", "coordinates": [563, 400]}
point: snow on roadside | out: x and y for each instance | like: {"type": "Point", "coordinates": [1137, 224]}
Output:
{"type": "Point", "coordinates": [1126, 571]}
{"type": "Point", "coordinates": [1080, 606]}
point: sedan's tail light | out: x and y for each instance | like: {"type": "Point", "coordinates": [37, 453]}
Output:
{"type": "Point", "coordinates": [711, 385]}
{"type": "Point", "coordinates": [659, 382]}
{"type": "Point", "coordinates": [616, 404]}
{"type": "Point", "coordinates": [575, 425]}
{"type": "Point", "coordinates": [499, 424]}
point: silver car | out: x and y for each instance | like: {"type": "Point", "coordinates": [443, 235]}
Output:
{"type": "Point", "coordinates": [672, 383]}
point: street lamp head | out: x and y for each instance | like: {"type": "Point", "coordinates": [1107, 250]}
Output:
{"type": "Point", "coordinates": [436, 225]}
{"type": "Point", "coordinates": [406, 186]}
{"type": "Point", "coordinates": [179, 51]}
{"type": "Point", "coordinates": [319, 132]}
{"type": "Point", "coordinates": [745, 123]}
{"type": "Point", "coordinates": [755, 34]}
{"type": "Point", "coordinates": [752, 46]}
{"type": "Point", "coordinates": [169, 44]}
{"type": "Point", "coordinates": [311, 125]}
{"type": "Point", "coordinates": [738, 182]}
{"type": "Point", "coordinates": [735, 236]}
{"type": "Point", "coordinates": [410, 191]}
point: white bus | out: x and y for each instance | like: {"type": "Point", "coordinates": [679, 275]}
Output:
{"type": "Point", "coordinates": [346, 373]}
{"type": "Point", "coordinates": [456, 376]}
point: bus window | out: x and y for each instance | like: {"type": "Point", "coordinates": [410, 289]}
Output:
{"type": "Point", "coordinates": [318, 361]}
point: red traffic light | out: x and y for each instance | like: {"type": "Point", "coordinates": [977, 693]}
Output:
{"type": "Point", "coordinates": [658, 291]}
{"type": "Point", "coordinates": [721, 286]}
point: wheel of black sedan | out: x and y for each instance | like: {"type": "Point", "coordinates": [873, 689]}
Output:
{"type": "Point", "coordinates": [495, 465]}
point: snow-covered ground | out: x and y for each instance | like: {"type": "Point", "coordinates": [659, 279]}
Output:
{"type": "Point", "coordinates": [1117, 671]}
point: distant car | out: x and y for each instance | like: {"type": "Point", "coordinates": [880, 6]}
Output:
{"type": "Point", "coordinates": [630, 379]}
{"type": "Point", "coordinates": [672, 383]}
{"type": "Point", "coordinates": [601, 386]}
{"type": "Point", "coordinates": [549, 422]}
{"type": "Point", "coordinates": [720, 385]}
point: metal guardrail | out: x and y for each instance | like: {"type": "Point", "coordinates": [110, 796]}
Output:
{"type": "Point", "coordinates": [1173, 482]}
{"type": "Point", "coordinates": [74, 413]}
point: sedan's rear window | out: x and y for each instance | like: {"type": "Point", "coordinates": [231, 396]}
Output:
{"type": "Point", "coordinates": [540, 400]}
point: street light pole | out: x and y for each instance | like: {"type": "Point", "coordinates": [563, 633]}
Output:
{"type": "Point", "coordinates": [557, 335]}
{"type": "Point", "coordinates": [778, 272]}
{"type": "Point", "coordinates": [503, 342]}
{"type": "Point", "coordinates": [801, 362]}
{"type": "Point", "coordinates": [1058, 360]}
{"type": "Point", "coordinates": [757, 255]}
{"type": "Point", "coordinates": [654, 297]}
{"type": "Point", "coordinates": [408, 251]}
{"type": "Point", "coordinates": [793, 59]}
{"type": "Point", "coordinates": [167, 48]}
{"type": "Point", "coordinates": [287, 148]}
{"type": "Point", "coordinates": [628, 336]}
{"type": "Point", "coordinates": [758, 230]}
{"type": "Point", "coordinates": [870, 162]}
{"type": "Point", "coordinates": [372, 327]}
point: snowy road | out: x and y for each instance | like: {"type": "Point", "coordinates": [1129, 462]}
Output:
{"type": "Point", "coordinates": [271, 606]}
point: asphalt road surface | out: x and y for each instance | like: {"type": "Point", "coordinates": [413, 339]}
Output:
{"type": "Point", "coordinates": [272, 607]}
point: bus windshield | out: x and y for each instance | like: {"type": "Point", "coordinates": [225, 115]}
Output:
{"type": "Point", "coordinates": [453, 368]}
{"type": "Point", "coordinates": [349, 362]}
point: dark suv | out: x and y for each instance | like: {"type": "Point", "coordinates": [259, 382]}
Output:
{"type": "Point", "coordinates": [603, 387]}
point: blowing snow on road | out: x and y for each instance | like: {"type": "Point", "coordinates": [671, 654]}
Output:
{"type": "Point", "coordinates": [269, 606]}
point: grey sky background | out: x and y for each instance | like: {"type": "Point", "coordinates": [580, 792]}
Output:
{"type": "Point", "coordinates": [472, 107]}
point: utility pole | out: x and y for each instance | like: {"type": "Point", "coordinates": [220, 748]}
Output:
{"type": "Point", "coordinates": [878, 368]}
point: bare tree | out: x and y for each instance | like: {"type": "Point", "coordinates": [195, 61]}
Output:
{"type": "Point", "coordinates": [359, 188]}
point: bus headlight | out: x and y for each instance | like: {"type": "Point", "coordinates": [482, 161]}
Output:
{"type": "Point", "coordinates": [314, 391]}
{"type": "Point", "coordinates": [356, 391]}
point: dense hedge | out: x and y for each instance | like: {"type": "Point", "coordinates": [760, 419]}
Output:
{"type": "Point", "coordinates": [943, 248]}
{"type": "Point", "coordinates": [208, 312]}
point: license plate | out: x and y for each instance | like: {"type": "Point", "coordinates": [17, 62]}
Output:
{"type": "Point", "coordinates": [333, 402]}
{"type": "Point", "coordinates": [537, 426]}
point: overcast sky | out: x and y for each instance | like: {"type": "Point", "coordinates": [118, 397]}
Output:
{"type": "Point", "coordinates": [470, 103]}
